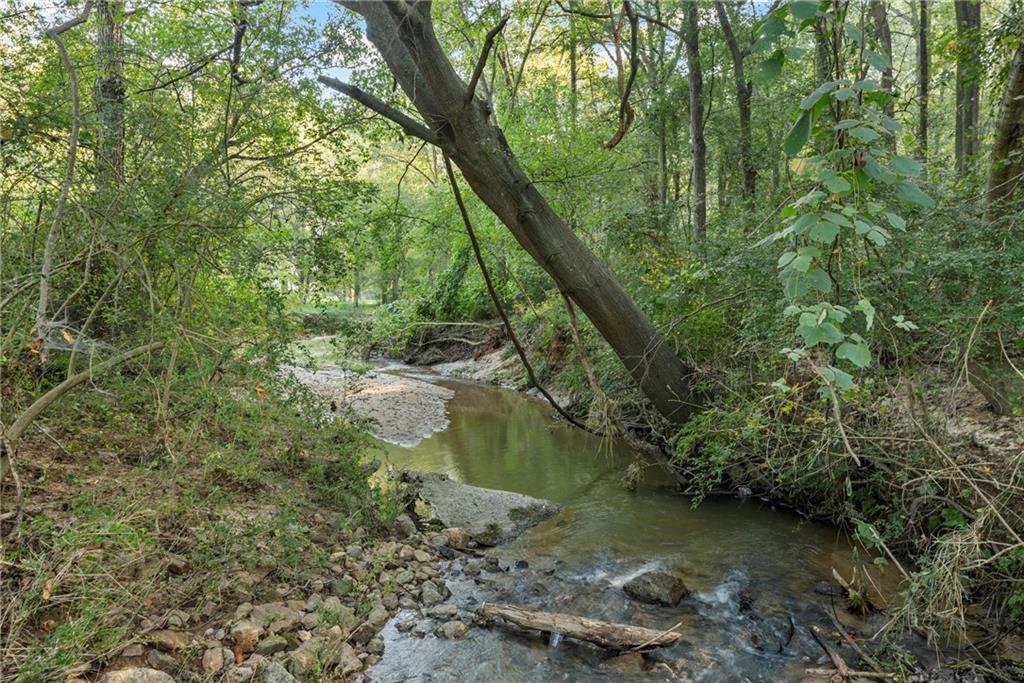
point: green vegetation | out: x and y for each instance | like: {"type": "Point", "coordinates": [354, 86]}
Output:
{"type": "Point", "coordinates": [810, 213]}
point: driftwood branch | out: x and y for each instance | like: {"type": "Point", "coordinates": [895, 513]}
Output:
{"type": "Point", "coordinates": [603, 633]}
{"type": "Point", "coordinates": [481, 62]}
{"type": "Point", "coordinates": [408, 124]}
{"type": "Point", "coordinates": [13, 433]}
{"type": "Point", "coordinates": [497, 300]}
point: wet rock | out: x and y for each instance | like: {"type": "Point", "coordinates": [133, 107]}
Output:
{"type": "Point", "coordinates": [657, 587]}
{"type": "Point", "coordinates": [452, 630]}
{"type": "Point", "coordinates": [472, 568]}
{"type": "Point", "coordinates": [771, 632]}
{"type": "Point", "coordinates": [429, 595]}
{"type": "Point", "coordinates": [489, 516]}
{"type": "Point", "coordinates": [136, 675]}
{"type": "Point", "coordinates": [405, 626]}
{"type": "Point", "coordinates": [458, 538]}
{"type": "Point", "coordinates": [272, 672]}
{"type": "Point", "coordinates": [829, 589]}
{"type": "Point", "coordinates": [378, 616]}
{"type": "Point", "coordinates": [375, 646]}
{"type": "Point", "coordinates": [443, 612]}
{"type": "Point", "coordinates": [628, 663]}
{"type": "Point", "coordinates": [271, 645]}
{"type": "Point", "coordinates": [244, 634]}
{"type": "Point", "coordinates": [363, 634]}
{"type": "Point", "coordinates": [169, 640]}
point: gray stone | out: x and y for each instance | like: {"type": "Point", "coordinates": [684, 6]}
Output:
{"type": "Point", "coordinates": [443, 612]}
{"type": "Point", "coordinates": [404, 526]}
{"type": "Point", "coordinates": [240, 674]}
{"type": "Point", "coordinates": [166, 639]}
{"type": "Point", "coordinates": [488, 515]}
{"type": "Point", "coordinates": [363, 634]}
{"type": "Point", "coordinates": [378, 616]}
{"type": "Point", "coordinates": [272, 672]}
{"type": "Point", "coordinates": [136, 675]}
{"type": "Point", "coordinates": [376, 646]}
{"type": "Point", "coordinates": [403, 577]}
{"type": "Point", "coordinates": [659, 588]}
{"type": "Point", "coordinates": [216, 658]}
{"type": "Point", "coordinates": [245, 633]}
{"type": "Point", "coordinates": [161, 660]}
{"type": "Point", "coordinates": [277, 615]}
{"type": "Point", "coordinates": [271, 645]}
{"type": "Point", "coordinates": [421, 555]}
{"type": "Point", "coordinates": [430, 595]}
{"type": "Point", "coordinates": [452, 630]}
{"type": "Point", "coordinates": [341, 586]}
{"type": "Point", "coordinates": [302, 660]}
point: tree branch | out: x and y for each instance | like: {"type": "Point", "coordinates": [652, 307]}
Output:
{"type": "Point", "coordinates": [481, 62]}
{"type": "Point", "coordinates": [407, 123]}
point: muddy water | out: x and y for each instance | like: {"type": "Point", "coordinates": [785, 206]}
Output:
{"type": "Point", "coordinates": [752, 569]}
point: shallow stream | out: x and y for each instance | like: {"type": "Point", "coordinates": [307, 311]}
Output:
{"type": "Point", "coordinates": [752, 569]}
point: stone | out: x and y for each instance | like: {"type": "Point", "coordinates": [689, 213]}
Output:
{"type": "Point", "coordinates": [429, 595]}
{"type": "Point", "coordinates": [489, 516]}
{"type": "Point", "coordinates": [390, 600]}
{"type": "Point", "coordinates": [354, 551]}
{"type": "Point", "coordinates": [216, 658]}
{"type": "Point", "coordinates": [177, 565]}
{"type": "Point", "coordinates": [313, 602]}
{"type": "Point", "coordinates": [443, 612]}
{"type": "Point", "coordinates": [347, 661]}
{"type": "Point", "coordinates": [161, 660]}
{"type": "Point", "coordinates": [272, 672]}
{"type": "Point", "coordinates": [177, 618]}
{"type": "Point", "coordinates": [829, 589]}
{"type": "Point", "coordinates": [406, 602]}
{"type": "Point", "coordinates": [378, 616]}
{"type": "Point", "coordinates": [133, 650]}
{"type": "Point", "coordinates": [277, 615]}
{"type": "Point", "coordinates": [405, 626]}
{"type": "Point", "coordinates": [341, 586]}
{"type": "Point", "coordinates": [243, 611]}
{"type": "Point", "coordinates": [244, 634]}
{"type": "Point", "coordinates": [375, 646]}
{"type": "Point", "coordinates": [363, 634]}
{"type": "Point", "coordinates": [311, 620]}
{"type": "Point", "coordinates": [403, 577]}
{"type": "Point", "coordinates": [421, 555]}
{"type": "Point", "coordinates": [169, 640]}
{"type": "Point", "coordinates": [404, 526]}
{"type": "Point", "coordinates": [406, 553]}
{"type": "Point", "coordinates": [771, 632]}
{"type": "Point", "coordinates": [452, 630]}
{"type": "Point", "coordinates": [271, 645]}
{"type": "Point", "coordinates": [240, 674]}
{"type": "Point", "coordinates": [136, 675]}
{"type": "Point", "coordinates": [472, 568]}
{"type": "Point", "coordinates": [660, 588]}
{"type": "Point", "coordinates": [628, 663]}
{"type": "Point", "coordinates": [458, 538]}
{"type": "Point", "coordinates": [302, 660]}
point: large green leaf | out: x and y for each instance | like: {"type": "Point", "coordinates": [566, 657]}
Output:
{"type": "Point", "coordinates": [826, 333]}
{"type": "Point", "coordinates": [857, 353]}
{"type": "Point", "coordinates": [911, 193]}
{"type": "Point", "coordinates": [803, 9]}
{"type": "Point", "coordinates": [798, 134]}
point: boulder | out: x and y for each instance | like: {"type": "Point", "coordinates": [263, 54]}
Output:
{"type": "Point", "coordinates": [658, 588]}
{"type": "Point", "coordinates": [489, 516]}
{"type": "Point", "coordinates": [771, 632]}
{"type": "Point", "coordinates": [451, 629]}
{"type": "Point", "coordinates": [136, 675]}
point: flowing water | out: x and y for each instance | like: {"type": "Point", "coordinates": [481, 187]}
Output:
{"type": "Point", "coordinates": [752, 568]}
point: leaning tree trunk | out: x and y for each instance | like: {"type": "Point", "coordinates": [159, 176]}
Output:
{"type": "Point", "coordinates": [1006, 172]}
{"type": "Point", "coordinates": [462, 125]}
{"type": "Point", "coordinates": [698, 147]}
{"type": "Point", "coordinates": [968, 104]}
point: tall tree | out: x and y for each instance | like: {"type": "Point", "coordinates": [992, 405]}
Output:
{"type": "Point", "coordinates": [880, 17]}
{"type": "Point", "coordinates": [109, 94]}
{"type": "Point", "coordinates": [744, 93]}
{"type": "Point", "coordinates": [698, 147]}
{"type": "Point", "coordinates": [463, 126]}
{"type": "Point", "coordinates": [968, 72]}
{"type": "Point", "coordinates": [1006, 173]}
{"type": "Point", "coordinates": [923, 69]}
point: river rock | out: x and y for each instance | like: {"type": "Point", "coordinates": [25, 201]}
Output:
{"type": "Point", "coordinates": [489, 516]}
{"type": "Point", "coordinates": [827, 588]}
{"type": "Point", "coordinates": [161, 660]}
{"type": "Point", "coordinates": [136, 675]}
{"type": "Point", "coordinates": [272, 672]}
{"type": "Point", "coordinates": [404, 526]}
{"type": "Point", "coordinates": [166, 639]}
{"type": "Point", "coordinates": [216, 658]}
{"type": "Point", "coordinates": [628, 663]}
{"type": "Point", "coordinates": [271, 645]}
{"type": "Point", "coordinates": [452, 630]}
{"type": "Point", "coordinates": [658, 587]}
{"type": "Point", "coordinates": [771, 632]}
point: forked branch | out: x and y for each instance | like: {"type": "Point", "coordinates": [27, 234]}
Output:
{"type": "Point", "coordinates": [408, 124]}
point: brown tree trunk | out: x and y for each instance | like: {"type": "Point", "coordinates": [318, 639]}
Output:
{"type": "Point", "coordinates": [744, 93]}
{"type": "Point", "coordinates": [923, 69]}
{"type": "Point", "coordinates": [1006, 172]}
{"type": "Point", "coordinates": [968, 104]}
{"type": "Point", "coordinates": [109, 94]}
{"type": "Point", "coordinates": [698, 147]}
{"type": "Point", "coordinates": [881, 19]}
{"type": "Point", "coordinates": [463, 126]}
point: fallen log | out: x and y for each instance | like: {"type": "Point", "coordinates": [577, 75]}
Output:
{"type": "Point", "coordinates": [603, 633]}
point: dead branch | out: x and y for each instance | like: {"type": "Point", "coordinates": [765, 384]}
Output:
{"type": "Point", "coordinates": [603, 633]}
{"type": "Point", "coordinates": [481, 62]}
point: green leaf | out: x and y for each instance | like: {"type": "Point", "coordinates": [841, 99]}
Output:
{"type": "Point", "coordinates": [803, 9]}
{"type": "Point", "coordinates": [842, 94]}
{"type": "Point", "coordinates": [842, 379]}
{"type": "Point", "coordinates": [801, 224]}
{"type": "Point", "coordinates": [877, 59]}
{"type": "Point", "coordinates": [837, 184]}
{"type": "Point", "coordinates": [865, 307]}
{"type": "Point", "coordinates": [816, 334]}
{"type": "Point", "coordinates": [770, 68]}
{"type": "Point", "coordinates": [911, 193]}
{"type": "Point", "coordinates": [895, 221]}
{"type": "Point", "coordinates": [864, 134]}
{"type": "Point", "coordinates": [823, 231]}
{"type": "Point", "coordinates": [798, 134]}
{"type": "Point", "coordinates": [905, 166]}
{"type": "Point", "coordinates": [813, 98]}
{"type": "Point", "coordinates": [786, 258]}
{"type": "Point", "coordinates": [853, 32]}
{"type": "Point", "coordinates": [858, 354]}
{"type": "Point", "coordinates": [838, 219]}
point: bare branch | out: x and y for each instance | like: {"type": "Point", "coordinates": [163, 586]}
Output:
{"type": "Point", "coordinates": [481, 62]}
{"type": "Point", "coordinates": [408, 124]}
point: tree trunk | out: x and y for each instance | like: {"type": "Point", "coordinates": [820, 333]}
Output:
{"type": "Point", "coordinates": [109, 95]}
{"type": "Point", "coordinates": [968, 33]}
{"type": "Point", "coordinates": [463, 126]}
{"type": "Point", "coordinates": [923, 68]}
{"type": "Point", "coordinates": [1007, 165]}
{"type": "Point", "coordinates": [884, 37]}
{"type": "Point", "coordinates": [698, 147]}
{"type": "Point", "coordinates": [744, 93]}
{"type": "Point", "coordinates": [603, 633]}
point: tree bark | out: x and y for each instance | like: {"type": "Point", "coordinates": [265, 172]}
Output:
{"type": "Point", "coordinates": [404, 35]}
{"type": "Point", "coordinates": [744, 94]}
{"type": "Point", "coordinates": [603, 633]}
{"type": "Point", "coordinates": [881, 20]}
{"type": "Point", "coordinates": [923, 69]}
{"type": "Point", "coordinates": [698, 147]}
{"type": "Point", "coordinates": [1006, 172]}
{"type": "Point", "coordinates": [968, 103]}
{"type": "Point", "coordinates": [109, 95]}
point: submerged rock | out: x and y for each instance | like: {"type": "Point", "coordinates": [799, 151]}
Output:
{"type": "Point", "coordinates": [489, 516]}
{"type": "Point", "coordinates": [659, 588]}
